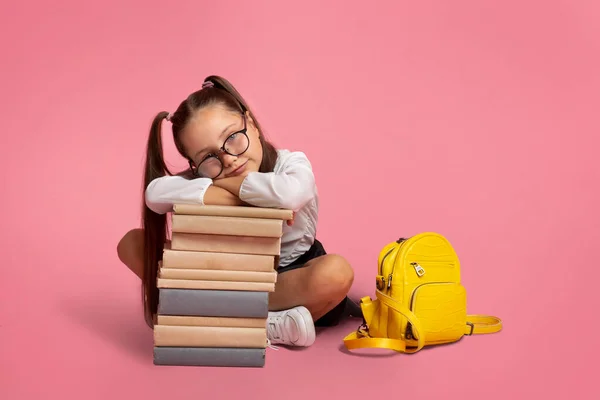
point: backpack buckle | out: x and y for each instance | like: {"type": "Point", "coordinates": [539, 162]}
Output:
{"type": "Point", "coordinates": [362, 330]}
{"type": "Point", "coordinates": [472, 325]}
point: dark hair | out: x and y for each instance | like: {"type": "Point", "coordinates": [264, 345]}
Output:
{"type": "Point", "coordinates": [155, 225]}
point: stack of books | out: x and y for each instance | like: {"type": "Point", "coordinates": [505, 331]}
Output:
{"type": "Point", "coordinates": [214, 282]}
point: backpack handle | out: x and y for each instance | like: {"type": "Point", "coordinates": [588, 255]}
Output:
{"type": "Point", "coordinates": [482, 324]}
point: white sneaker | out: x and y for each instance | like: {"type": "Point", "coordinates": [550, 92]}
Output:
{"type": "Point", "coordinates": [293, 327]}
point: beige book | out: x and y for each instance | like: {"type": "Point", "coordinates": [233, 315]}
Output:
{"type": "Point", "coordinates": [236, 226]}
{"type": "Point", "coordinates": [214, 285]}
{"type": "Point", "coordinates": [209, 336]}
{"type": "Point", "coordinates": [218, 275]}
{"type": "Point", "coordinates": [233, 211]}
{"type": "Point", "coordinates": [182, 259]}
{"type": "Point", "coordinates": [211, 321]}
{"type": "Point", "coordinates": [226, 244]}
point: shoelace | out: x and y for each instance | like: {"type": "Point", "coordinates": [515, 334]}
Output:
{"type": "Point", "coordinates": [275, 330]}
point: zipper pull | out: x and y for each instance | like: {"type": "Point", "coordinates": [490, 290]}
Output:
{"type": "Point", "coordinates": [389, 284]}
{"type": "Point", "coordinates": [420, 271]}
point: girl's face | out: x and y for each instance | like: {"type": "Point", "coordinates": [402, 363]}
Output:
{"type": "Point", "coordinates": [214, 131]}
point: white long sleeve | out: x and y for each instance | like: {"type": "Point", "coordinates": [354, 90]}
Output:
{"type": "Point", "coordinates": [163, 192]}
{"type": "Point", "coordinates": [291, 185]}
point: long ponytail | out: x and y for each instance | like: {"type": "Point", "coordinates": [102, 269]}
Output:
{"type": "Point", "coordinates": [154, 225]}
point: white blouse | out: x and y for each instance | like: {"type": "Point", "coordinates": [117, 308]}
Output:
{"type": "Point", "coordinates": [290, 186]}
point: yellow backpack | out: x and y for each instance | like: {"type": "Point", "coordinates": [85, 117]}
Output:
{"type": "Point", "coordinates": [420, 299]}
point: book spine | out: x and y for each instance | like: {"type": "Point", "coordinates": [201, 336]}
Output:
{"type": "Point", "coordinates": [212, 321]}
{"type": "Point", "coordinates": [215, 285]}
{"type": "Point", "coordinates": [232, 211]}
{"type": "Point", "coordinates": [209, 336]}
{"type": "Point", "coordinates": [218, 275]}
{"type": "Point", "coordinates": [180, 259]}
{"type": "Point", "coordinates": [225, 244]}
{"type": "Point", "coordinates": [236, 226]}
{"type": "Point", "coordinates": [209, 357]}
{"type": "Point", "coordinates": [213, 303]}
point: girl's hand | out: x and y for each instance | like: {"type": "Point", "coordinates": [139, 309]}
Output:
{"type": "Point", "coordinates": [290, 222]}
{"type": "Point", "coordinates": [218, 196]}
{"type": "Point", "coordinates": [232, 184]}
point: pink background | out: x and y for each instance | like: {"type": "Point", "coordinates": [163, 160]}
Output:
{"type": "Point", "coordinates": [475, 119]}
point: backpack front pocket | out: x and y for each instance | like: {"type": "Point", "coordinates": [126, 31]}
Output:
{"type": "Point", "coordinates": [441, 309]}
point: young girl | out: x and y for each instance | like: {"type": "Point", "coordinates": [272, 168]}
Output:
{"type": "Point", "coordinates": [231, 163]}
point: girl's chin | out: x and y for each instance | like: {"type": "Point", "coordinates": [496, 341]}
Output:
{"type": "Point", "coordinates": [250, 166]}
{"type": "Point", "coordinates": [243, 170]}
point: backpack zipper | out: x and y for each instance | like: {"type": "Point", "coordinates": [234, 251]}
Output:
{"type": "Point", "coordinates": [409, 334]}
{"type": "Point", "coordinates": [389, 279]}
{"type": "Point", "coordinates": [389, 284]}
{"type": "Point", "coordinates": [399, 241]}
{"type": "Point", "coordinates": [418, 269]}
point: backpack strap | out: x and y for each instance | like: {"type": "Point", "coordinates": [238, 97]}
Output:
{"type": "Point", "coordinates": [361, 339]}
{"type": "Point", "coordinates": [482, 324]}
{"type": "Point", "coordinates": [357, 340]}
{"type": "Point", "coordinates": [476, 324]}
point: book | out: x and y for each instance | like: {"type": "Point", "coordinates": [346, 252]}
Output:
{"type": "Point", "coordinates": [209, 356]}
{"type": "Point", "coordinates": [215, 285]}
{"type": "Point", "coordinates": [225, 243]}
{"type": "Point", "coordinates": [209, 336]}
{"type": "Point", "coordinates": [218, 275]}
{"type": "Point", "coordinates": [214, 282]}
{"type": "Point", "coordinates": [222, 225]}
{"type": "Point", "coordinates": [233, 211]}
{"type": "Point", "coordinates": [212, 321]}
{"type": "Point", "coordinates": [180, 259]}
{"type": "Point", "coordinates": [213, 303]}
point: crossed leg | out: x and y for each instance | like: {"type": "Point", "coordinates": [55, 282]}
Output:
{"type": "Point", "coordinates": [319, 286]}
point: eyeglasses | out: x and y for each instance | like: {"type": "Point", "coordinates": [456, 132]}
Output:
{"type": "Point", "coordinates": [236, 144]}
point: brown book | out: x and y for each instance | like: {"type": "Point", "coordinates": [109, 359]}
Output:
{"type": "Point", "coordinates": [209, 336]}
{"type": "Point", "coordinates": [233, 211]}
{"type": "Point", "coordinates": [218, 275]}
{"type": "Point", "coordinates": [211, 321]}
{"type": "Point", "coordinates": [225, 243]}
{"type": "Point", "coordinates": [182, 259]}
{"type": "Point", "coordinates": [215, 285]}
{"type": "Point", "coordinates": [236, 226]}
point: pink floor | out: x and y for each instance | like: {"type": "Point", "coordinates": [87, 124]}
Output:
{"type": "Point", "coordinates": [76, 332]}
{"type": "Point", "coordinates": [91, 343]}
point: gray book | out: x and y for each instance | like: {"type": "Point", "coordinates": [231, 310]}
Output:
{"type": "Point", "coordinates": [213, 303]}
{"type": "Point", "coordinates": [209, 356]}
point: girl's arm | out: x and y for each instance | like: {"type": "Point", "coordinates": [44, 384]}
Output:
{"type": "Point", "coordinates": [218, 196]}
{"type": "Point", "coordinates": [162, 193]}
{"type": "Point", "coordinates": [290, 187]}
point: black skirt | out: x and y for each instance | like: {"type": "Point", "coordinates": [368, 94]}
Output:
{"type": "Point", "coordinates": [334, 316]}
